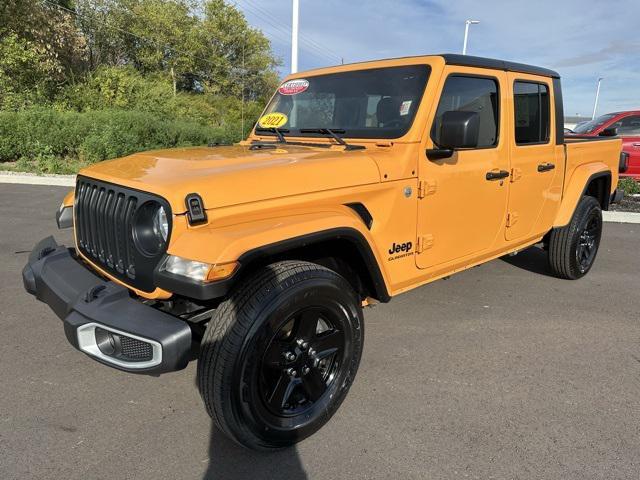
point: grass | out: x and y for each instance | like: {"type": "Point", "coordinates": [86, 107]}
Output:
{"type": "Point", "coordinates": [629, 185]}
{"type": "Point", "coordinates": [44, 164]}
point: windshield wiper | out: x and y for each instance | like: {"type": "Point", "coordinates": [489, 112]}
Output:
{"type": "Point", "coordinates": [333, 132]}
{"type": "Point", "coordinates": [326, 131]}
{"type": "Point", "coordinates": [278, 131]}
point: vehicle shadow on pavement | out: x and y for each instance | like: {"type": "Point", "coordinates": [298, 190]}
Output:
{"type": "Point", "coordinates": [533, 259]}
{"type": "Point", "coordinates": [229, 461]}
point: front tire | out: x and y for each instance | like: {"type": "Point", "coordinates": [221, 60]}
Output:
{"type": "Point", "coordinates": [573, 248]}
{"type": "Point", "coordinates": [278, 357]}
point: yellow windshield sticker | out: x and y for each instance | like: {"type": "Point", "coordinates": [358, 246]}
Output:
{"type": "Point", "coordinates": [273, 120]}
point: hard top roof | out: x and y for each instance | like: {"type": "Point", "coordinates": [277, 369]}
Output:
{"type": "Point", "coordinates": [482, 62]}
{"type": "Point", "coordinates": [471, 61]}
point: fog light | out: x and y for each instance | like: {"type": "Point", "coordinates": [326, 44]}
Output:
{"type": "Point", "coordinates": [105, 341]}
{"type": "Point", "coordinates": [198, 271]}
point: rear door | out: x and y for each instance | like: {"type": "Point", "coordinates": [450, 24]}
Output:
{"type": "Point", "coordinates": [461, 212]}
{"type": "Point", "coordinates": [629, 130]}
{"type": "Point", "coordinates": [535, 173]}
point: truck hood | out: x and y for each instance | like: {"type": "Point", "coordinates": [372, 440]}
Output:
{"type": "Point", "coordinates": [231, 175]}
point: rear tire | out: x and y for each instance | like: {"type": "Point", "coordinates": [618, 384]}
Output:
{"type": "Point", "coordinates": [573, 248]}
{"type": "Point", "coordinates": [278, 357]}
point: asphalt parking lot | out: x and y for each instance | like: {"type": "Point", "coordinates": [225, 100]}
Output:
{"type": "Point", "coordinates": [500, 372]}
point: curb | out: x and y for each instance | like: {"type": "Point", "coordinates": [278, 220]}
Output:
{"type": "Point", "coordinates": [70, 181]}
{"type": "Point", "coordinates": [33, 179]}
{"type": "Point", "coordinates": [621, 217]}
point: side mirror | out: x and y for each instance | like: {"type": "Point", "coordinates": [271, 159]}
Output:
{"type": "Point", "coordinates": [459, 129]}
{"type": "Point", "coordinates": [609, 132]}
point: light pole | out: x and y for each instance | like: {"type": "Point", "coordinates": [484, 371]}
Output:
{"type": "Point", "coordinates": [595, 104]}
{"type": "Point", "coordinates": [466, 33]}
{"type": "Point", "coordinates": [294, 35]}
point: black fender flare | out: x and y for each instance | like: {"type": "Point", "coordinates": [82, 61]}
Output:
{"type": "Point", "coordinates": [258, 255]}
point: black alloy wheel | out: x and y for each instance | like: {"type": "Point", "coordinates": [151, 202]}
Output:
{"type": "Point", "coordinates": [279, 356]}
{"type": "Point", "coordinates": [302, 361]}
{"type": "Point", "coordinates": [573, 248]}
{"type": "Point", "coordinates": [588, 242]}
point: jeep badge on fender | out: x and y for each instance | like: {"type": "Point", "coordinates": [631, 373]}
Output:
{"type": "Point", "coordinates": [402, 247]}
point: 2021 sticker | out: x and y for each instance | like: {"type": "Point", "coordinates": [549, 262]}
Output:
{"type": "Point", "coordinates": [273, 120]}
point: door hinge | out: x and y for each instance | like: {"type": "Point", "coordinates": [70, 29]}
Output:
{"type": "Point", "coordinates": [424, 242]}
{"type": "Point", "coordinates": [427, 187]}
{"type": "Point", "coordinates": [516, 174]}
{"type": "Point", "coordinates": [512, 219]}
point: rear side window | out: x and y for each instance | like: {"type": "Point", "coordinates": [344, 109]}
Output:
{"type": "Point", "coordinates": [628, 125]}
{"type": "Point", "coordinates": [531, 107]}
{"type": "Point", "coordinates": [471, 94]}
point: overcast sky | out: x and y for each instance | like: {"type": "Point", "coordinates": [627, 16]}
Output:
{"type": "Point", "coordinates": [582, 39]}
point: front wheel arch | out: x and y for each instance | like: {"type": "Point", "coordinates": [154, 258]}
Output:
{"type": "Point", "coordinates": [344, 250]}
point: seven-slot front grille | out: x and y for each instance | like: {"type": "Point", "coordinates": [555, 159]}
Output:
{"type": "Point", "coordinates": [104, 218]}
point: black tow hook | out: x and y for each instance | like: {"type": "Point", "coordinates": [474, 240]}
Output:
{"type": "Point", "coordinates": [94, 293]}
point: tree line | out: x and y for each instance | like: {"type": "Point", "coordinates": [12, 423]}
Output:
{"type": "Point", "coordinates": [164, 61]}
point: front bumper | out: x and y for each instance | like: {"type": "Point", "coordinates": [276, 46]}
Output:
{"type": "Point", "coordinates": [101, 318]}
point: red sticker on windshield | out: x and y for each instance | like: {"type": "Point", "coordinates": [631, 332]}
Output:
{"type": "Point", "coordinates": [293, 87]}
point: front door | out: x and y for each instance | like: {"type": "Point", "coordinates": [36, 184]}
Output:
{"type": "Point", "coordinates": [463, 198]}
{"type": "Point", "coordinates": [535, 170]}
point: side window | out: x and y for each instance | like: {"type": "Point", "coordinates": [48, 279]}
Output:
{"type": "Point", "coordinates": [531, 108]}
{"type": "Point", "coordinates": [471, 94]}
{"type": "Point", "coordinates": [629, 125]}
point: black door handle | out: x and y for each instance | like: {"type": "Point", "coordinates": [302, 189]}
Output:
{"type": "Point", "coordinates": [545, 167]}
{"type": "Point", "coordinates": [499, 175]}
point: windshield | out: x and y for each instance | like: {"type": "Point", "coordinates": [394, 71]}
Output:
{"type": "Point", "coordinates": [588, 127]}
{"type": "Point", "coordinates": [376, 103]}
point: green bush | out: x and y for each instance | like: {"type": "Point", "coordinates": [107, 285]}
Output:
{"type": "Point", "coordinates": [629, 185]}
{"type": "Point", "coordinates": [47, 163]}
{"type": "Point", "coordinates": [99, 135]}
{"type": "Point", "coordinates": [124, 88]}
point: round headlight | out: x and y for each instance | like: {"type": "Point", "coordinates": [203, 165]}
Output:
{"type": "Point", "coordinates": [161, 224]}
{"type": "Point", "coordinates": [151, 229]}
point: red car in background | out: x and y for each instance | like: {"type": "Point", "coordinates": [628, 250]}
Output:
{"type": "Point", "coordinates": [627, 125]}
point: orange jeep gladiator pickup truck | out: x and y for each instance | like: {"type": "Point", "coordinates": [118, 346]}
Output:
{"type": "Point", "coordinates": [358, 183]}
